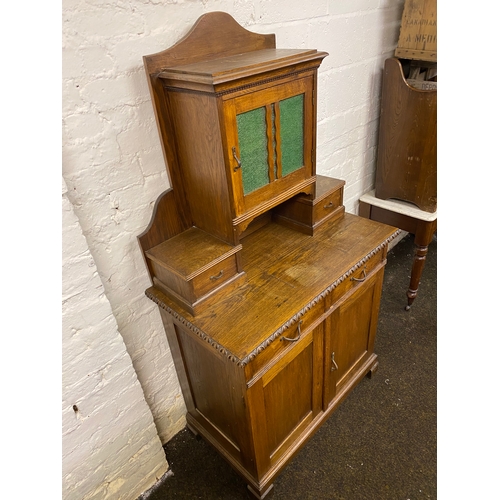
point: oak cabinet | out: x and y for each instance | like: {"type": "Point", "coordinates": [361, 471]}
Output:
{"type": "Point", "coordinates": [245, 147]}
{"type": "Point", "coordinates": [267, 289]}
{"type": "Point", "coordinates": [262, 368]}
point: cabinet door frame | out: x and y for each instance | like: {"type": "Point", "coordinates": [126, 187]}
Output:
{"type": "Point", "coordinates": [336, 380]}
{"type": "Point", "coordinates": [265, 98]}
{"type": "Point", "coordinates": [267, 458]}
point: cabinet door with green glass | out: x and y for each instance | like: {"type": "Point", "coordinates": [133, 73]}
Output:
{"type": "Point", "coordinates": [270, 135]}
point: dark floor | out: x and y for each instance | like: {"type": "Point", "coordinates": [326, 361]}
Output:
{"type": "Point", "coordinates": [381, 442]}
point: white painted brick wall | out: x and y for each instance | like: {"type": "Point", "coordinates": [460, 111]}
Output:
{"type": "Point", "coordinates": [112, 160]}
{"type": "Point", "coordinates": [110, 445]}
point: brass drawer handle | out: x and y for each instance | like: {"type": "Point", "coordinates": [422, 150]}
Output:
{"type": "Point", "coordinates": [238, 161]}
{"type": "Point", "coordinates": [360, 279]}
{"type": "Point", "coordinates": [213, 278]}
{"type": "Point", "coordinates": [297, 337]}
{"type": "Point", "coordinates": [330, 205]}
{"type": "Point", "coordinates": [335, 366]}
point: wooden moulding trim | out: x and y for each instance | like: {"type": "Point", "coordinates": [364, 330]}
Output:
{"type": "Point", "coordinates": [266, 80]}
{"type": "Point", "coordinates": [237, 73]}
{"type": "Point", "coordinates": [208, 87]}
{"type": "Point", "coordinates": [294, 319]}
{"type": "Point", "coordinates": [203, 336]}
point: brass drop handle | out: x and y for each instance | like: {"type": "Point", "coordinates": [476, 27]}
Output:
{"type": "Point", "coordinates": [238, 161]}
{"type": "Point", "coordinates": [330, 205]}
{"type": "Point", "coordinates": [297, 337]}
{"type": "Point", "coordinates": [213, 278]}
{"type": "Point", "coordinates": [360, 279]}
{"type": "Point", "coordinates": [335, 366]}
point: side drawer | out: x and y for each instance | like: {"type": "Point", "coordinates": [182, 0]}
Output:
{"type": "Point", "coordinates": [327, 206]}
{"type": "Point", "coordinates": [305, 213]}
{"type": "Point", "coordinates": [215, 276]}
{"type": "Point", "coordinates": [192, 278]}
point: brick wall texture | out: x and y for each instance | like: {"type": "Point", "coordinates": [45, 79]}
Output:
{"type": "Point", "coordinates": [121, 396]}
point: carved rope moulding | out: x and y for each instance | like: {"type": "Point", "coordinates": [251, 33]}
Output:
{"type": "Point", "coordinates": [293, 320]}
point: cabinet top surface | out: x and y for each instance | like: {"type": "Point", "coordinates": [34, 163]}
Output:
{"type": "Point", "coordinates": [286, 272]}
{"type": "Point", "coordinates": [231, 67]}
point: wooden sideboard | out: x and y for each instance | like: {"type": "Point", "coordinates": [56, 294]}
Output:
{"type": "Point", "coordinates": [264, 367]}
{"type": "Point", "coordinates": [269, 292]}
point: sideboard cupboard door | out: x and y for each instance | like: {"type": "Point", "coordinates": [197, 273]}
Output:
{"type": "Point", "coordinates": [269, 141]}
{"type": "Point", "coordinates": [286, 399]}
{"type": "Point", "coordinates": [351, 329]}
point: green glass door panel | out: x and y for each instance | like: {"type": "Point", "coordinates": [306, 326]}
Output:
{"type": "Point", "coordinates": [292, 134]}
{"type": "Point", "coordinates": [252, 140]}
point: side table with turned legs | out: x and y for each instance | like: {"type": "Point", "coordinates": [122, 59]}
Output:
{"type": "Point", "coordinates": [423, 225]}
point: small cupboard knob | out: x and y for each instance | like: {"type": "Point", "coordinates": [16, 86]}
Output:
{"type": "Point", "coordinates": [335, 366]}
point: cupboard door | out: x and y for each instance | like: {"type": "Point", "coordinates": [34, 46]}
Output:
{"type": "Point", "coordinates": [269, 140]}
{"type": "Point", "coordinates": [256, 164]}
{"type": "Point", "coordinates": [350, 337]}
{"type": "Point", "coordinates": [287, 398]}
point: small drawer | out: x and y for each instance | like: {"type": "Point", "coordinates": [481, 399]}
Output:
{"type": "Point", "coordinates": [306, 213]}
{"type": "Point", "coordinates": [356, 278]}
{"type": "Point", "coordinates": [271, 354]}
{"type": "Point", "coordinates": [211, 267]}
{"type": "Point", "coordinates": [327, 206]}
{"type": "Point", "coordinates": [214, 277]}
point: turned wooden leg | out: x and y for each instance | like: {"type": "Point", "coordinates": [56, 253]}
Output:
{"type": "Point", "coordinates": [268, 493]}
{"type": "Point", "coordinates": [423, 236]}
{"type": "Point", "coordinates": [416, 273]}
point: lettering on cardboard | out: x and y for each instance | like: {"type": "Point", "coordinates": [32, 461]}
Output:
{"type": "Point", "coordinates": [421, 22]}
{"type": "Point", "coordinates": [421, 38]}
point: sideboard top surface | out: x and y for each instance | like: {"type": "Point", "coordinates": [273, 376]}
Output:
{"type": "Point", "coordinates": [286, 272]}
